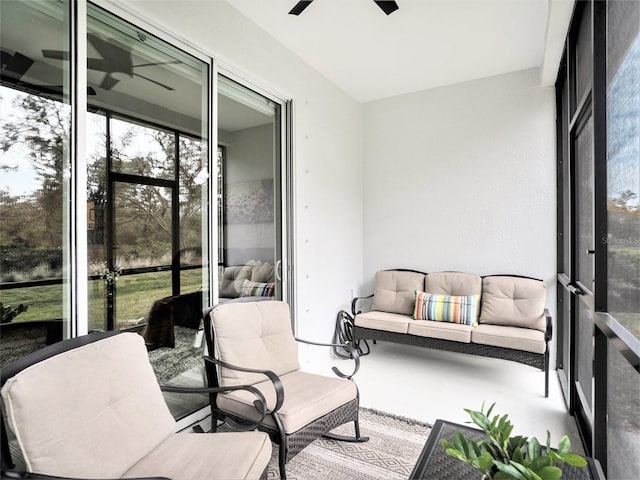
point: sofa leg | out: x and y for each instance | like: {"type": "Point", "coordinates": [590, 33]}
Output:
{"type": "Point", "coordinates": [546, 373]}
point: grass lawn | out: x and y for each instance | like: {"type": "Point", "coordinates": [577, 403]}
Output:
{"type": "Point", "coordinates": [134, 296]}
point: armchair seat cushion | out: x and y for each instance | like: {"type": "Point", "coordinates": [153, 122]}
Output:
{"type": "Point", "coordinates": [442, 330]}
{"type": "Point", "coordinates": [517, 338]}
{"type": "Point", "coordinates": [390, 322]}
{"type": "Point", "coordinates": [224, 456]}
{"type": "Point", "coordinates": [302, 401]}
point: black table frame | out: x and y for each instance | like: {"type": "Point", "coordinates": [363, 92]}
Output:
{"type": "Point", "coordinates": [435, 464]}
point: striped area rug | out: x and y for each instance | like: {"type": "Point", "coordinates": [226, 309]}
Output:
{"type": "Point", "coordinates": [391, 453]}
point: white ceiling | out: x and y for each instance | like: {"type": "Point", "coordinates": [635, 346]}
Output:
{"type": "Point", "coordinates": [424, 44]}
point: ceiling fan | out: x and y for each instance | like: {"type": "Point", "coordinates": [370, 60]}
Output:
{"type": "Point", "coordinates": [115, 59]}
{"type": "Point", "coordinates": [387, 7]}
{"type": "Point", "coordinates": [14, 65]}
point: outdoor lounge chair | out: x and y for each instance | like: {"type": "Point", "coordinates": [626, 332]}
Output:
{"type": "Point", "coordinates": [91, 407]}
{"type": "Point", "coordinates": [252, 343]}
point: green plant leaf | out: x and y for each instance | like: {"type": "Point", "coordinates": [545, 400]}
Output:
{"type": "Point", "coordinates": [460, 443]}
{"type": "Point", "coordinates": [533, 449]}
{"type": "Point", "coordinates": [539, 463]}
{"type": "Point", "coordinates": [555, 456]}
{"type": "Point", "coordinates": [549, 473]}
{"type": "Point", "coordinates": [517, 456]}
{"type": "Point", "coordinates": [480, 419]}
{"type": "Point", "coordinates": [574, 459]}
{"type": "Point", "coordinates": [565, 445]}
{"type": "Point", "coordinates": [457, 454]}
{"type": "Point", "coordinates": [446, 444]}
{"type": "Point", "coordinates": [502, 476]}
{"type": "Point", "coordinates": [510, 470]}
{"type": "Point", "coordinates": [484, 462]}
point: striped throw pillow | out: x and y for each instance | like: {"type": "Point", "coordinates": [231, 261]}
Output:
{"type": "Point", "coordinates": [257, 289]}
{"type": "Point", "coordinates": [447, 308]}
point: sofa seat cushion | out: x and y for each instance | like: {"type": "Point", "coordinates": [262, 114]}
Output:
{"type": "Point", "coordinates": [220, 456]}
{"type": "Point", "coordinates": [453, 283]}
{"type": "Point", "coordinates": [307, 397]}
{"type": "Point", "coordinates": [394, 291]}
{"type": "Point", "coordinates": [390, 322]}
{"type": "Point", "coordinates": [517, 338]}
{"type": "Point", "coordinates": [441, 330]}
{"type": "Point", "coordinates": [513, 301]}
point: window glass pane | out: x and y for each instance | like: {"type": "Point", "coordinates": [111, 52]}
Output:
{"type": "Point", "coordinates": [148, 174]}
{"type": "Point", "coordinates": [584, 204]}
{"type": "Point", "coordinates": [34, 176]}
{"type": "Point", "coordinates": [623, 163]}
{"type": "Point", "coordinates": [584, 57]}
{"type": "Point", "coordinates": [623, 417]}
{"type": "Point", "coordinates": [584, 365]}
{"type": "Point", "coordinates": [140, 150]}
{"type": "Point", "coordinates": [248, 129]}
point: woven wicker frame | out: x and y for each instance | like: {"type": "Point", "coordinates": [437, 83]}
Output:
{"type": "Point", "coordinates": [297, 441]}
{"type": "Point", "coordinates": [536, 360]}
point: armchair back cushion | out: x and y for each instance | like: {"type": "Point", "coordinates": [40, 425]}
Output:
{"type": "Point", "coordinates": [513, 301]}
{"type": "Point", "coordinates": [453, 283]}
{"type": "Point", "coordinates": [395, 291]}
{"type": "Point", "coordinates": [121, 417]}
{"type": "Point", "coordinates": [254, 335]}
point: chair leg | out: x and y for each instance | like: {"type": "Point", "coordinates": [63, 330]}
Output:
{"type": "Point", "coordinates": [282, 460]}
{"type": "Point", "coordinates": [343, 438]}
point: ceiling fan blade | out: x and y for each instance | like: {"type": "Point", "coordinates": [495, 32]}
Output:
{"type": "Point", "coordinates": [387, 7]}
{"type": "Point", "coordinates": [299, 7]}
{"type": "Point", "coordinates": [108, 82]}
{"type": "Point", "coordinates": [157, 63]}
{"type": "Point", "coordinates": [154, 81]}
{"type": "Point", "coordinates": [57, 54]}
{"type": "Point", "coordinates": [17, 65]}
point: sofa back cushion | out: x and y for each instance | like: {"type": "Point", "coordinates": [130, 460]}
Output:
{"type": "Point", "coordinates": [232, 279]}
{"type": "Point", "coordinates": [91, 411]}
{"type": "Point", "coordinates": [395, 291]}
{"type": "Point", "coordinates": [263, 273]}
{"type": "Point", "coordinates": [453, 283]}
{"type": "Point", "coordinates": [513, 301]}
{"type": "Point", "coordinates": [254, 335]}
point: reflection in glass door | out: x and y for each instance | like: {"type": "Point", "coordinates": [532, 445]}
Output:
{"type": "Point", "coordinates": [250, 225]}
{"type": "Point", "coordinates": [148, 166]}
{"type": "Point", "coordinates": [35, 221]}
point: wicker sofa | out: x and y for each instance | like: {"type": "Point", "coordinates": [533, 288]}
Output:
{"type": "Point", "coordinates": [500, 316]}
{"type": "Point", "coordinates": [254, 279]}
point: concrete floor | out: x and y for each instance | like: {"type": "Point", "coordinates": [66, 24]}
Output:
{"type": "Point", "coordinates": [428, 384]}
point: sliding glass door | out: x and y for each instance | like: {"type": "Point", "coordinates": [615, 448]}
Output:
{"type": "Point", "coordinates": [165, 225]}
{"type": "Point", "coordinates": [250, 218]}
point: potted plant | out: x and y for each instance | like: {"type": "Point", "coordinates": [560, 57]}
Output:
{"type": "Point", "coordinates": [502, 457]}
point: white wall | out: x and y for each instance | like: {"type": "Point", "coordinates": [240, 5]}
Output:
{"type": "Point", "coordinates": [327, 150]}
{"type": "Point", "coordinates": [463, 178]}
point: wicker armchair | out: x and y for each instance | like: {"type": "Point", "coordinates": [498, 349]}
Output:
{"type": "Point", "coordinates": [91, 407]}
{"type": "Point", "coordinates": [252, 343]}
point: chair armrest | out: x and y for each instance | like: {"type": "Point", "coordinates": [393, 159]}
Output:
{"type": "Point", "coordinates": [275, 380]}
{"type": "Point", "coordinates": [39, 476]}
{"type": "Point", "coordinates": [549, 330]}
{"type": "Point", "coordinates": [354, 304]}
{"type": "Point", "coordinates": [260, 403]}
{"type": "Point", "coordinates": [352, 351]}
